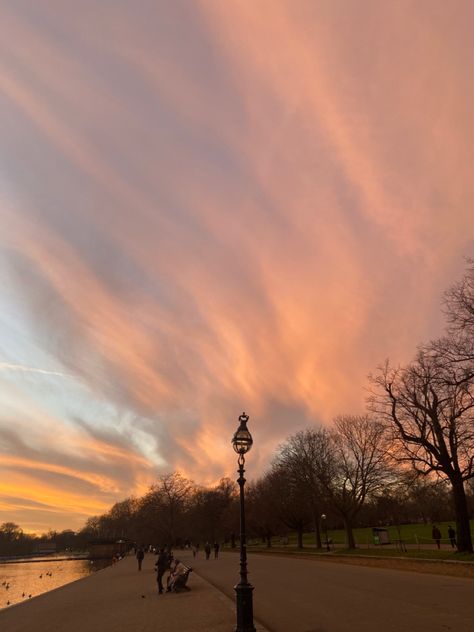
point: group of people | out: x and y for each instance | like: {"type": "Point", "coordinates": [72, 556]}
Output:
{"type": "Point", "coordinates": [178, 572]}
{"type": "Point", "coordinates": [436, 535]}
{"type": "Point", "coordinates": [207, 550]}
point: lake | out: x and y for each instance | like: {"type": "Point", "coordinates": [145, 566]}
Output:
{"type": "Point", "coordinates": [20, 581]}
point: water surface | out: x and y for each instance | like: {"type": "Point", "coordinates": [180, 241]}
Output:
{"type": "Point", "coordinates": [21, 581]}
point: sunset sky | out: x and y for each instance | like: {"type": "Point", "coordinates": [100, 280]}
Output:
{"type": "Point", "coordinates": [208, 207]}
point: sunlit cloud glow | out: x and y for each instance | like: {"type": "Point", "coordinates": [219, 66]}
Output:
{"type": "Point", "coordinates": [215, 207]}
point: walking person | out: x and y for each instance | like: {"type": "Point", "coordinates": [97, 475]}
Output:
{"type": "Point", "coordinates": [162, 565]}
{"type": "Point", "coordinates": [207, 550]}
{"type": "Point", "coordinates": [436, 535]}
{"type": "Point", "coordinates": [452, 536]}
{"type": "Point", "coordinates": [216, 550]}
{"type": "Point", "coordinates": [140, 555]}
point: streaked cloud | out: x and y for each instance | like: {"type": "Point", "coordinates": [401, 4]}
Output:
{"type": "Point", "coordinates": [7, 366]}
{"type": "Point", "coordinates": [213, 207]}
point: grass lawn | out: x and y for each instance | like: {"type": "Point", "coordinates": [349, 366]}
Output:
{"type": "Point", "coordinates": [417, 537]}
{"type": "Point", "coordinates": [409, 533]}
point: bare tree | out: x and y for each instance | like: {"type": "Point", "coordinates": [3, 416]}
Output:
{"type": "Point", "coordinates": [299, 457]}
{"type": "Point", "coordinates": [13, 541]}
{"type": "Point", "coordinates": [160, 516]}
{"type": "Point", "coordinates": [290, 501]}
{"type": "Point", "coordinates": [428, 498]}
{"type": "Point", "coordinates": [92, 527]}
{"type": "Point", "coordinates": [457, 347]}
{"type": "Point", "coordinates": [209, 512]}
{"type": "Point", "coordinates": [429, 407]}
{"type": "Point", "coordinates": [354, 467]}
{"type": "Point", "coordinates": [459, 303]}
{"type": "Point", "coordinates": [122, 518]}
{"type": "Point", "coordinates": [262, 501]}
{"type": "Point", "coordinates": [11, 531]}
{"type": "Point", "coordinates": [342, 468]}
{"type": "Point", "coordinates": [174, 492]}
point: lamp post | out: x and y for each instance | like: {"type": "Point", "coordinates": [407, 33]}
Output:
{"type": "Point", "coordinates": [325, 529]}
{"type": "Point", "coordinates": [242, 442]}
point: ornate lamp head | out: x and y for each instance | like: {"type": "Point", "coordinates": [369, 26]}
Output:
{"type": "Point", "coordinates": [242, 440]}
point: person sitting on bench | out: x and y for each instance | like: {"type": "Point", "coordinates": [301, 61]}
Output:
{"type": "Point", "coordinates": [178, 576]}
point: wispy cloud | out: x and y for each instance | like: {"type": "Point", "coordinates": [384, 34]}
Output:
{"type": "Point", "coordinates": [7, 366]}
{"type": "Point", "coordinates": [216, 207]}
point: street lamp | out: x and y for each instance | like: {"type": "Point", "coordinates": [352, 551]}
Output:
{"type": "Point", "coordinates": [325, 529]}
{"type": "Point", "coordinates": [242, 442]}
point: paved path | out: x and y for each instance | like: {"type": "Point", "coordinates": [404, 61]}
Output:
{"type": "Point", "coordinates": [301, 595]}
{"type": "Point", "coordinates": [121, 599]}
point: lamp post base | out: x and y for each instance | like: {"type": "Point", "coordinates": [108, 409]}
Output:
{"type": "Point", "coordinates": [244, 604]}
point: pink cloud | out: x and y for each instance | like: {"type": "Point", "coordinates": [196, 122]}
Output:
{"type": "Point", "coordinates": [249, 208]}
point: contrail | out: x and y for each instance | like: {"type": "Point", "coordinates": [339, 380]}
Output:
{"type": "Point", "coordinates": [29, 369]}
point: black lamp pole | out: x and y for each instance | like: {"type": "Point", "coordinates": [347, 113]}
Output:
{"type": "Point", "coordinates": [242, 442]}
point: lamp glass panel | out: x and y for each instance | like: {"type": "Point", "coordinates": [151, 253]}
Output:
{"type": "Point", "coordinates": [242, 441]}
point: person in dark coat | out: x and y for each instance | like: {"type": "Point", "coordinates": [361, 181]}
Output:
{"type": "Point", "coordinates": [436, 535]}
{"type": "Point", "coordinates": [162, 565]}
{"type": "Point", "coordinates": [207, 550]}
{"type": "Point", "coordinates": [140, 555]}
{"type": "Point", "coordinates": [216, 550]}
{"type": "Point", "coordinates": [452, 536]}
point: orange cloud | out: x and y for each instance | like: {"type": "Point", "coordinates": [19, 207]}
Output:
{"type": "Point", "coordinates": [251, 214]}
{"type": "Point", "coordinates": [101, 482]}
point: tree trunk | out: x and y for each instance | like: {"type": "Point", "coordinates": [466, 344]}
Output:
{"type": "Point", "coordinates": [463, 528]}
{"type": "Point", "coordinates": [349, 533]}
{"type": "Point", "coordinates": [300, 537]}
{"type": "Point", "coordinates": [317, 530]}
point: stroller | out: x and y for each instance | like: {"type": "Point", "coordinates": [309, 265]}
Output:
{"type": "Point", "coordinates": [178, 577]}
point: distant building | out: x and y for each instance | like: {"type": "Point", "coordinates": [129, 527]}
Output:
{"type": "Point", "coordinates": [45, 548]}
{"type": "Point", "coordinates": [105, 549]}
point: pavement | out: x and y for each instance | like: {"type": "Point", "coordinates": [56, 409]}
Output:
{"type": "Point", "coordinates": [122, 599]}
{"type": "Point", "coordinates": [321, 594]}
